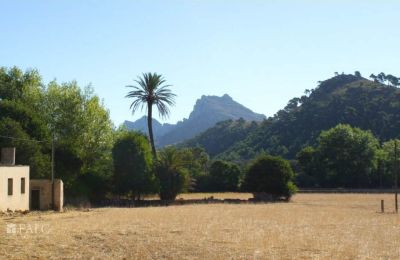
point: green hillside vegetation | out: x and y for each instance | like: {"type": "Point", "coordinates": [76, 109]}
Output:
{"type": "Point", "coordinates": [226, 132]}
{"type": "Point", "coordinates": [347, 99]}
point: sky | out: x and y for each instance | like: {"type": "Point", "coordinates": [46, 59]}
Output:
{"type": "Point", "coordinates": [261, 53]}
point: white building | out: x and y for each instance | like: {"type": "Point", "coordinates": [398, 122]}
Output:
{"type": "Point", "coordinates": [14, 183]}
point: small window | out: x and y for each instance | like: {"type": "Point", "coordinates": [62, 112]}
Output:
{"type": "Point", "coordinates": [10, 186]}
{"type": "Point", "coordinates": [22, 185]}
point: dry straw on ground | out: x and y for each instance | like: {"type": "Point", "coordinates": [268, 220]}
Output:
{"type": "Point", "coordinates": [312, 226]}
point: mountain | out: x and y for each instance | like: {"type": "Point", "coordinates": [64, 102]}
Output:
{"type": "Point", "coordinates": [207, 111]}
{"type": "Point", "coordinates": [347, 99]}
{"type": "Point", "coordinates": [141, 125]}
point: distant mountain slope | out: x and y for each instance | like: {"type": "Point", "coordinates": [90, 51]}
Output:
{"type": "Point", "coordinates": [207, 111]}
{"type": "Point", "coordinates": [141, 125]}
{"type": "Point", "coordinates": [223, 135]}
{"type": "Point", "coordinates": [345, 99]}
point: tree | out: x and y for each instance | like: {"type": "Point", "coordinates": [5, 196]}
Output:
{"type": "Point", "coordinates": [75, 116]}
{"type": "Point", "coordinates": [270, 175]}
{"type": "Point", "coordinates": [15, 84]}
{"type": "Point", "coordinates": [391, 159]}
{"type": "Point", "coordinates": [348, 155]}
{"type": "Point", "coordinates": [151, 91]}
{"type": "Point", "coordinates": [82, 129]}
{"type": "Point", "coordinates": [133, 172]}
{"type": "Point", "coordinates": [29, 151]}
{"type": "Point", "coordinates": [224, 176]}
{"type": "Point", "coordinates": [387, 79]}
{"type": "Point", "coordinates": [172, 173]}
{"type": "Point", "coordinates": [309, 175]}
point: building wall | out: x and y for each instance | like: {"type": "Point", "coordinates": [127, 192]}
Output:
{"type": "Point", "coordinates": [17, 201]}
{"type": "Point", "coordinates": [45, 187]}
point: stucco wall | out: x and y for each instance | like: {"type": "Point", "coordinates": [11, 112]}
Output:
{"type": "Point", "coordinates": [17, 201]}
{"type": "Point", "coordinates": [45, 187]}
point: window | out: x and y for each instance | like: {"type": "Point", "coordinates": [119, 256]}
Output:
{"type": "Point", "coordinates": [10, 186]}
{"type": "Point", "coordinates": [22, 185]}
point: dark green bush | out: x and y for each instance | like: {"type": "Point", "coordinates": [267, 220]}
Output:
{"type": "Point", "coordinates": [224, 176]}
{"type": "Point", "coordinates": [271, 176]}
{"type": "Point", "coordinates": [172, 173]}
{"type": "Point", "coordinates": [133, 172]}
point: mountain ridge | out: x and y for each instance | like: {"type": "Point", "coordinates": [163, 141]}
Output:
{"type": "Point", "coordinates": [207, 111]}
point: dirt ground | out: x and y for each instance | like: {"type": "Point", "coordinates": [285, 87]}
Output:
{"type": "Point", "coordinates": [311, 226]}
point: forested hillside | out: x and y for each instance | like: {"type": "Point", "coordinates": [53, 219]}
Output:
{"type": "Point", "coordinates": [226, 132]}
{"type": "Point", "coordinates": [349, 99]}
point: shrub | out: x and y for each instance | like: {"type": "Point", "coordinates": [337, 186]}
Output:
{"type": "Point", "coordinates": [270, 175]}
{"type": "Point", "coordinates": [224, 176]}
{"type": "Point", "coordinates": [133, 172]}
{"type": "Point", "coordinates": [172, 173]}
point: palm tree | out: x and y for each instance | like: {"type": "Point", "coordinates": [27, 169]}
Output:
{"type": "Point", "coordinates": [150, 90]}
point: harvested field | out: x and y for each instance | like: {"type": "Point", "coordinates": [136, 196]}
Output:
{"type": "Point", "coordinates": [317, 226]}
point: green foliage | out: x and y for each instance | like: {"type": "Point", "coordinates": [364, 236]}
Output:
{"type": "Point", "coordinates": [172, 173]}
{"type": "Point", "coordinates": [195, 159]}
{"type": "Point", "coordinates": [15, 84]}
{"type": "Point", "coordinates": [309, 174]}
{"type": "Point", "coordinates": [150, 90]}
{"type": "Point", "coordinates": [223, 135]}
{"type": "Point", "coordinates": [388, 79]}
{"type": "Point", "coordinates": [271, 175]}
{"type": "Point", "coordinates": [346, 99]}
{"type": "Point", "coordinates": [29, 152]}
{"type": "Point", "coordinates": [223, 176]}
{"type": "Point", "coordinates": [349, 155]}
{"type": "Point", "coordinates": [133, 172]}
{"type": "Point", "coordinates": [345, 157]}
{"type": "Point", "coordinates": [389, 163]}
{"type": "Point", "coordinates": [81, 126]}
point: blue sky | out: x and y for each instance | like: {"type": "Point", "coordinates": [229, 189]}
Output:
{"type": "Point", "coordinates": [262, 53]}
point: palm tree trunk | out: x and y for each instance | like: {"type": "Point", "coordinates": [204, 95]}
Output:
{"type": "Point", "coordinates": [150, 127]}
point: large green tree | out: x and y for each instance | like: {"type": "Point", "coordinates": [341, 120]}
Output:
{"type": "Point", "coordinates": [20, 124]}
{"type": "Point", "coordinates": [149, 91]}
{"type": "Point", "coordinates": [270, 175]}
{"type": "Point", "coordinates": [34, 112]}
{"type": "Point", "coordinates": [344, 157]}
{"type": "Point", "coordinates": [133, 172]}
{"type": "Point", "coordinates": [224, 176]}
{"type": "Point", "coordinates": [390, 162]}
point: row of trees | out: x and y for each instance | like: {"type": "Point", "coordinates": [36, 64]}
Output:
{"type": "Point", "coordinates": [348, 157]}
{"type": "Point", "coordinates": [92, 157]}
{"type": "Point", "coordinates": [174, 170]}
{"type": "Point", "coordinates": [387, 79]}
{"type": "Point", "coordinates": [138, 173]}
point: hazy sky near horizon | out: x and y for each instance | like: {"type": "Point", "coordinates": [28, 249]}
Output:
{"type": "Point", "coordinates": [262, 53]}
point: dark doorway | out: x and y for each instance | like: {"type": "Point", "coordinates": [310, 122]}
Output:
{"type": "Point", "coordinates": [35, 200]}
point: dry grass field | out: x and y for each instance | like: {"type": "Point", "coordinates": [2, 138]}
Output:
{"type": "Point", "coordinates": [312, 226]}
